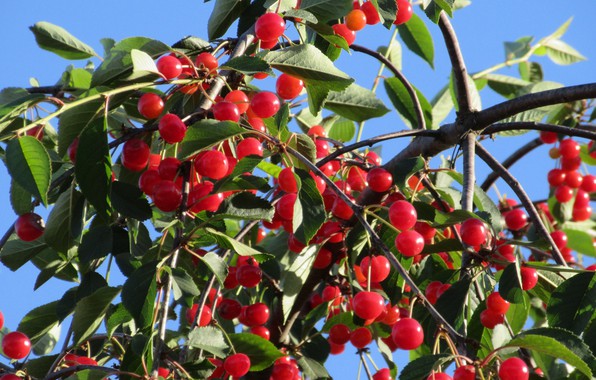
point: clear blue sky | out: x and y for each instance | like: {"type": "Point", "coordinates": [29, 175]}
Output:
{"type": "Point", "coordinates": [482, 29]}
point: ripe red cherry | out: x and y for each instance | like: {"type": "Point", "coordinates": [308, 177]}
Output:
{"type": "Point", "coordinates": [16, 345]}
{"type": "Point", "coordinates": [361, 337]}
{"type": "Point", "coordinates": [10, 376]}
{"type": "Point", "coordinates": [407, 334]}
{"type": "Point", "coordinates": [212, 164]}
{"type": "Point", "coordinates": [207, 61]}
{"type": "Point", "coordinates": [203, 320]}
{"type": "Point", "coordinates": [148, 180]}
{"type": "Point", "coordinates": [377, 266]}
{"type": "Point", "coordinates": [171, 128]}
{"type": "Point", "coordinates": [339, 333]}
{"type": "Point", "coordinates": [229, 308]}
{"type": "Point", "coordinates": [490, 318]}
{"type": "Point", "coordinates": [556, 177]}
{"type": "Point", "coordinates": [323, 259]}
{"type": "Point", "coordinates": [163, 372]}
{"type": "Point", "coordinates": [439, 376]}
{"type": "Point", "coordinates": [199, 198]}
{"type": "Point", "coordinates": [284, 371]}
{"type": "Point", "coordinates": [560, 238]}
{"type": "Point", "coordinates": [569, 148]}
{"type": "Point", "coordinates": [409, 243]}
{"type": "Point", "coordinates": [1, 320]}
{"type": "Point", "coordinates": [269, 26]}
{"type": "Point", "coordinates": [371, 13]}
{"type": "Point", "coordinates": [237, 365]}
{"type": "Point", "coordinates": [465, 372]}
{"type": "Point", "coordinates": [496, 303]}
{"type": "Point", "coordinates": [356, 20]}
{"type": "Point", "coordinates": [404, 12]}
{"type": "Point", "coordinates": [249, 147]}
{"type": "Point", "coordinates": [548, 137]}
{"type": "Point", "coordinates": [135, 155]}
{"type": "Point", "coordinates": [256, 314]}
{"type": "Point", "coordinates": [402, 215]}
{"type": "Point", "coordinates": [529, 278]}
{"type": "Point", "coordinates": [514, 369]}
{"type": "Point", "coordinates": [569, 164]}
{"type": "Point", "coordinates": [29, 227]}
{"type": "Point", "coordinates": [288, 87]}
{"type": "Point", "coordinates": [265, 104]}
{"type": "Point", "coordinates": [240, 99]}
{"type": "Point", "coordinates": [150, 105]}
{"type": "Point", "coordinates": [226, 111]}
{"type": "Point", "coordinates": [168, 168]}
{"type": "Point", "coordinates": [573, 179]}
{"type": "Point", "coordinates": [285, 206]}
{"type": "Point", "coordinates": [563, 193]}
{"type": "Point", "coordinates": [169, 66]}
{"type": "Point", "coordinates": [589, 183]}
{"type": "Point", "coordinates": [343, 31]}
{"type": "Point", "coordinates": [516, 219]}
{"type": "Point", "coordinates": [166, 196]}
{"type": "Point", "coordinates": [287, 181]}
{"type": "Point", "coordinates": [249, 276]}
{"type": "Point", "coordinates": [383, 373]}
{"type": "Point", "coordinates": [331, 293]}
{"type": "Point", "coordinates": [379, 180]}
{"type": "Point", "coordinates": [357, 178]}
{"type": "Point", "coordinates": [473, 232]}
{"type": "Point", "coordinates": [368, 305]}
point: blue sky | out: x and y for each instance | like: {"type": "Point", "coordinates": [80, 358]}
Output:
{"type": "Point", "coordinates": [482, 28]}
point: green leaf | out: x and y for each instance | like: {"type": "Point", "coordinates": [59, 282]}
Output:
{"type": "Point", "coordinates": [28, 163]}
{"type": "Point", "coordinates": [342, 130]}
{"type": "Point", "coordinates": [90, 311]}
{"type": "Point", "coordinates": [309, 210]}
{"type": "Point", "coordinates": [403, 103]}
{"type": "Point", "coordinates": [395, 54]}
{"type": "Point", "coordinates": [205, 133]}
{"type": "Point", "coordinates": [17, 252]}
{"type": "Point", "coordinates": [20, 199]}
{"type": "Point", "coordinates": [561, 53]}
{"type": "Point", "coordinates": [39, 367]}
{"type": "Point", "coordinates": [313, 369]}
{"type": "Point", "coordinates": [248, 65]}
{"type": "Point", "coordinates": [47, 342]}
{"type": "Point", "coordinates": [387, 10]}
{"type": "Point", "coordinates": [138, 294]}
{"type": "Point", "coordinates": [183, 284]}
{"type": "Point", "coordinates": [355, 103]}
{"type": "Point", "coordinates": [96, 243]}
{"type": "Point", "coordinates": [143, 65]}
{"type": "Point", "coordinates": [261, 352]}
{"type": "Point", "coordinates": [93, 169]}
{"type": "Point", "coordinates": [57, 40]}
{"type": "Point", "coordinates": [210, 339]}
{"type": "Point", "coordinates": [442, 105]}
{"type": "Point", "coordinates": [433, 8]}
{"type": "Point", "coordinates": [421, 367]}
{"type": "Point", "coordinates": [517, 315]}
{"type": "Point", "coordinates": [551, 347]}
{"type": "Point", "coordinates": [228, 242]}
{"type": "Point", "coordinates": [216, 265]}
{"type": "Point", "coordinates": [36, 323]}
{"type": "Point", "coordinates": [452, 305]}
{"type": "Point", "coordinates": [306, 147]}
{"type": "Point", "coordinates": [224, 13]}
{"type": "Point", "coordinates": [129, 201]}
{"type": "Point", "coordinates": [505, 85]}
{"type": "Point", "coordinates": [65, 222]}
{"type": "Point", "coordinates": [518, 49]}
{"type": "Point", "coordinates": [306, 16]}
{"type": "Point", "coordinates": [580, 241]}
{"type": "Point", "coordinates": [572, 305]}
{"type": "Point", "coordinates": [294, 276]}
{"type": "Point", "coordinates": [74, 120]}
{"type": "Point", "coordinates": [531, 71]}
{"type": "Point", "coordinates": [418, 39]}
{"type": "Point", "coordinates": [510, 284]}
{"type": "Point", "coordinates": [246, 206]}
{"type": "Point", "coordinates": [326, 10]}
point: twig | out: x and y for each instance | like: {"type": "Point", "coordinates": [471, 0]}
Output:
{"type": "Point", "coordinates": [524, 199]}
{"type": "Point", "coordinates": [77, 368]}
{"type": "Point", "coordinates": [587, 133]}
{"type": "Point", "coordinates": [467, 201]}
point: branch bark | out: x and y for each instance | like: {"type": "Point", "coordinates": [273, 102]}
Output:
{"type": "Point", "coordinates": [580, 131]}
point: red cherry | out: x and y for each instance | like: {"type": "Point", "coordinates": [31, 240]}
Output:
{"type": "Point", "coordinates": [341, 209]}
{"type": "Point", "coordinates": [284, 371]}
{"type": "Point", "coordinates": [323, 259]}
{"type": "Point", "coordinates": [336, 349]}
{"type": "Point", "coordinates": [339, 333]}
{"type": "Point", "coordinates": [148, 180]}
{"type": "Point", "coordinates": [239, 98]}
{"type": "Point", "coordinates": [465, 372]}
{"type": "Point", "coordinates": [343, 31]}
{"type": "Point", "coordinates": [409, 243]}
{"type": "Point", "coordinates": [563, 193]}
{"type": "Point", "coordinates": [168, 168]}
{"type": "Point", "coordinates": [424, 229]}
{"type": "Point", "coordinates": [203, 320]}
{"type": "Point", "coordinates": [569, 148]}
{"type": "Point", "coordinates": [331, 293]}
{"type": "Point", "coordinates": [237, 365]}
{"type": "Point", "coordinates": [573, 179]}
{"type": "Point", "coordinates": [357, 178]}
{"type": "Point", "coordinates": [407, 334]}
{"type": "Point", "coordinates": [356, 20]}
{"type": "Point", "coordinates": [285, 206]}
{"type": "Point", "coordinates": [548, 137]}
{"type": "Point", "coordinates": [379, 180]}
{"type": "Point", "coordinates": [529, 278]}
{"type": "Point", "coordinates": [431, 291]}
{"type": "Point", "coordinates": [514, 369]}
{"type": "Point", "coordinates": [29, 226]}
{"type": "Point", "coordinates": [391, 315]}
{"type": "Point", "coordinates": [169, 66]}
{"type": "Point", "coordinates": [265, 104]}
{"type": "Point", "coordinates": [496, 303]}
{"type": "Point", "coordinates": [377, 266]}
{"type": "Point", "coordinates": [166, 196]}
{"type": "Point", "coordinates": [581, 213]}
{"type": "Point", "coordinates": [206, 61]}
{"type": "Point", "coordinates": [402, 215]}
{"type": "Point", "coordinates": [150, 105]}
{"type": "Point", "coordinates": [72, 150]}
{"type": "Point", "coordinates": [439, 376]}
{"type": "Point", "coordinates": [516, 219]}
{"type": "Point", "coordinates": [269, 26]}
{"type": "Point", "coordinates": [404, 12]}
{"type": "Point", "coordinates": [560, 238]}
{"type": "Point", "coordinates": [287, 181]}
{"type": "Point", "coordinates": [226, 111]}
{"type": "Point", "coordinates": [135, 155]}
{"type": "Point", "coordinates": [288, 87]}
{"type": "Point", "coordinates": [249, 147]}
{"type": "Point", "coordinates": [569, 164]}
{"type": "Point", "coordinates": [256, 314]}
{"type": "Point", "coordinates": [163, 372]}
{"type": "Point", "coordinates": [383, 373]}
{"type": "Point", "coordinates": [171, 128]}
{"type": "Point", "coordinates": [317, 130]}
{"type": "Point", "coordinates": [490, 318]}
{"type": "Point", "coordinates": [1, 320]}
{"type": "Point", "coordinates": [372, 15]}
{"type": "Point", "coordinates": [361, 337]}
{"type": "Point", "coordinates": [229, 308]}
{"type": "Point", "coordinates": [368, 305]}
{"type": "Point", "coordinates": [200, 200]}
{"type": "Point", "coordinates": [16, 345]}
{"type": "Point", "coordinates": [249, 276]}
{"type": "Point", "coordinates": [212, 164]}
{"type": "Point", "coordinates": [10, 376]}
{"type": "Point", "coordinates": [556, 177]}
{"type": "Point", "coordinates": [589, 183]}
{"type": "Point", "coordinates": [473, 232]}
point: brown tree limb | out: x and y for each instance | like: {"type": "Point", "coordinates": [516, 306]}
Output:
{"type": "Point", "coordinates": [588, 133]}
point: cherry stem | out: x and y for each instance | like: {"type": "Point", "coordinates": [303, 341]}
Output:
{"type": "Point", "coordinates": [363, 360]}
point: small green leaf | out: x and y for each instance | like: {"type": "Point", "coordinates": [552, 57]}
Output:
{"type": "Point", "coordinates": [246, 206]}
{"type": "Point", "coordinates": [313, 369]}
{"type": "Point", "coordinates": [326, 10]}
{"type": "Point", "coordinates": [518, 49]}
{"type": "Point", "coordinates": [561, 53]}
{"type": "Point", "coordinates": [355, 103]}
{"type": "Point", "coordinates": [261, 352]}
{"type": "Point", "coordinates": [138, 294]}
{"type": "Point", "coordinates": [57, 40]}
{"type": "Point", "coordinates": [65, 222]}
{"type": "Point", "coordinates": [47, 342]}
{"type": "Point", "coordinates": [205, 133]}
{"type": "Point", "coordinates": [224, 13]}
{"type": "Point", "coordinates": [96, 243]}
{"type": "Point", "coordinates": [306, 16]}
{"type": "Point", "coordinates": [143, 65]}
{"type": "Point", "coordinates": [217, 265]}
{"type": "Point", "coordinates": [294, 276]}
{"type": "Point", "coordinates": [210, 339]}
{"type": "Point", "coordinates": [420, 368]}
{"type": "Point", "coordinates": [418, 39]}
{"type": "Point", "coordinates": [248, 65]}
{"type": "Point", "coordinates": [90, 311]}
{"type": "Point", "coordinates": [580, 241]}
{"type": "Point", "coordinates": [510, 284]}
{"type": "Point", "coordinates": [404, 104]}
{"type": "Point", "coordinates": [183, 284]}
{"type": "Point", "coordinates": [312, 216]}
{"type": "Point", "coordinates": [17, 252]}
{"type": "Point", "coordinates": [342, 130]}
{"type": "Point", "coordinates": [231, 243]}
{"type": "Point", "coordinates": [572, 304]}
{"type": "Point", "coordinates": [20, 199]}
{"type": "Point", "coordinates": [129, 201]}
{"type": "Point", "coordinates": [434, 8]}
{"type": "Point", "coordinates": [505, 85]}
{"type": "Point", "coordinates": [36, 323]}
{"type": "Point", "coordinates": [28, 163]}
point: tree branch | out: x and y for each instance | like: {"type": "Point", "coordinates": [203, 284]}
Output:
{"type": "Point", "coordinates": [588, 133]}
{"type": "Point", "coordinates": [524, 199]}
{"type": "Point", "coordinates": [467, 200]}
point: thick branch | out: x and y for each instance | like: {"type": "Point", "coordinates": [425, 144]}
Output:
{"type": "Point", "coordinates": [467, 200]}
{"type": "Point", "coordinates": [524, 199]}
{"type": "Point", "coordinates": [588, 133]}
{"type": "Point", "coordinates": [516, 156]}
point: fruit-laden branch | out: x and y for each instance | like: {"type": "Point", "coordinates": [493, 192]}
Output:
{"type": "Point", "coordinates": [517, 188]}
{"type": "Point", "coordinates": [579, 131]}
{"type": "Point", "coordinates": [512, 159]}
{"type": "Point", "coordinates": [398, 74]}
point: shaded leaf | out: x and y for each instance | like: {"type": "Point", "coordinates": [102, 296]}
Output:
{"type": "Point", "coordinates": [247, 65]}
{"type": "Point", "coordinates": [138, 294]}
{"type": "Point", "coordinates": [293, 277]}
{"type": "Point", "coordinates": [28, 163]}
{"type": "Point", "coordinates": [17, 252]}
{"type": "Point", "coordinates": [96, 243]}
{"type": "Point", "coordinates": [90, 311]}
{"type": "Point", "coordinates": [326, 10]}
{"type": "Point", "coordinates": [246, 206]}
{"type": "Point", "coordinates": [129, 201]}
{"type": "Point", "coordinates": [57, 40]}
{"type": "Point", "coordinates": [572, 304]}
{"type": "Point", "coordinates": [36, 323]}
{"type": "Point", "coordinates": [205, 133]}
{"type": "Point", "coordinates": [217, 265]}
{"type": "Point", "coordinates": [510, 284]}
{"type": "Point", "coordinates": [261, 352]}
{"type": "Point", "coordinates": [404, 104]}
{"type": "Point", "coordinates": [420, 368]}
{"type": "Point", "coordinates": [210, 339]}
{"type": "Point", "coordinates": [65, 222]}
{"type": "Point", "coordinates": [20, 199]}
{"type": "Point", "coordinates": [312, 214]}
{"type": "Point", "coordinates": [224, 13]}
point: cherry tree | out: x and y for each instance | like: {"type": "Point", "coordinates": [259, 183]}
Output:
{"type": "Point", "coordinates": [257, 232]}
